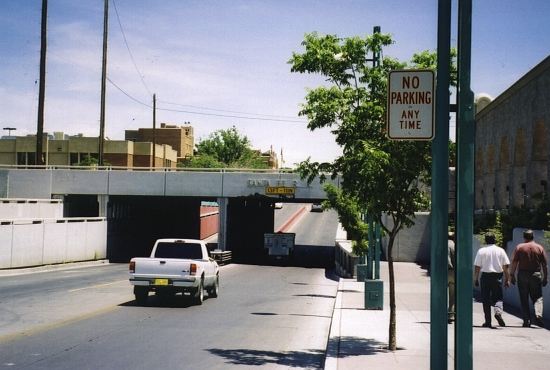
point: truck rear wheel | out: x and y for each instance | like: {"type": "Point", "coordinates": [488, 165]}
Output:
{"type": "Point", "coordinates": [141, 294]}
{"type": "Point", "coordinates": [199, 294]}
{"type": "Point", "coordinates": [214, 290]}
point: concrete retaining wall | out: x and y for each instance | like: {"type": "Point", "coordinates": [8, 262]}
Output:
{"type": "Point", "coordinates": [412, 244]}
{"type": "Point", "coordinates": [34, 242]}
{"type": "Point", "coordinates": [30, 208]}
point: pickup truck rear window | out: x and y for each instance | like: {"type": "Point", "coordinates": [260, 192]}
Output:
{"type": "Point", "coordinates": [191, 251]}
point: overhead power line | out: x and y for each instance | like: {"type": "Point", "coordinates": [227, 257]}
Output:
{"type": "Point", "coordinates": [229, 111]}
{"type": "Point", "coordinates": [129, 51]}
{"type": "Point", "coordinates": [128, 95]}
{"type": "Point", "coordinates": [232, 116]}
{"type": "Point", "coordinates": [201, 113]}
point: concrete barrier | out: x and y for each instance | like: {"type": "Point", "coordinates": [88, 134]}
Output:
{"type": "Point", "coordinates": [30, 208]}
{"type": "Point", "coordinates": [345, 260]}
{"type": "Point", "coordinates": [34, 242]}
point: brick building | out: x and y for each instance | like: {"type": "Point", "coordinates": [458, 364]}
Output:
{"type": "Point", "coordinates": [178, 137]}
{"type": "Point", "coordinates": [513, 144]}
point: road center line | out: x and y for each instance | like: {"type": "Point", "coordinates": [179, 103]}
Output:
{"type": "Point", "coordinates": [97, 285]}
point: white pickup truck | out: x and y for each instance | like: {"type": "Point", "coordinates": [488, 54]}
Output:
{"type": "Point", "coordinates": [175, 265]}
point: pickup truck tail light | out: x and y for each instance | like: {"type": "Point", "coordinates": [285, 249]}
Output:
{"type": "Point", "coordinates": [193, 269]}
{"type": "Point", "coordinates": [132, 266]}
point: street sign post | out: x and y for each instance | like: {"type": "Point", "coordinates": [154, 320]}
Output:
{"type": "Point", "coordinates": [410, 105]}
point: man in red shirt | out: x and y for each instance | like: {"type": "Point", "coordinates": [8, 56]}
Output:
{"type": "Point", "coordinates": [531, 261]}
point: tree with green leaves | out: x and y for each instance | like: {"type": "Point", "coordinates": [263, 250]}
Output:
{"type": "Point", "coordinates": [225, 148]}
{"type": "Point", "coordinates": [380, 176]}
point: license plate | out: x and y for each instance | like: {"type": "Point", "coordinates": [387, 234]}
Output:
{"type": "Point", "coordinates": [160, 282]}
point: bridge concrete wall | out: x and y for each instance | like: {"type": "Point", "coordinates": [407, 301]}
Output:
{"type": "Point", "coordinates": [80, 182]}
{"type": "Point", "coordinates": [34, 242]}
{"type": "Point", "coordinates": [27, 184]}
{"type": "Point", "coordinates": [43, 183]}
{"type": "Point", "coordinates": [206, 183]}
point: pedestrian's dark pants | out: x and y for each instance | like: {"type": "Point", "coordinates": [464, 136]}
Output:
{"type": "Point", "coordinates": [491, 293]}
{"type": "Point", "coordinates": [530, 285]}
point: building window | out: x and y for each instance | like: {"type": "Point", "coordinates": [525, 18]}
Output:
{"type": "Point", "coordinates": [31, 158]}
{"type": "Point", "coordinates": [74, 159]}
{"type": "Point", "coordinates": [21, 158]}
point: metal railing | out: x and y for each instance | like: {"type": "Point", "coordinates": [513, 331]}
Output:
{"type": "Point", "coordinates": [150, 169]}
{"type": "Point", "coordinates": [222, 257]}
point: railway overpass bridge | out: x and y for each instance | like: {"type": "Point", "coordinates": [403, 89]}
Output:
{"type": "Point", "coordinates": [142, 205]}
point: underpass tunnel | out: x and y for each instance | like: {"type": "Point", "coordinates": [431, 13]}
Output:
{"type": "Point", "coordinates": [135, 222]}
{"type": "Point", "coordinates": [80, 205]}
{"type": "Point", "coordinates": [248, 219]}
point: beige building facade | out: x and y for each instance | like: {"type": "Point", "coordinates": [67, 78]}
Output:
{"type": "Point", "coordinates": [512, 154]}
{"type": "Point", "coordinates": [63, 150]}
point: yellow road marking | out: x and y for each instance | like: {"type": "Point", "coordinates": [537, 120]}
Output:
{"type": "Point", "coordinates": [45, 327]}
{"type": "Point", "coordinates": [97, 285]}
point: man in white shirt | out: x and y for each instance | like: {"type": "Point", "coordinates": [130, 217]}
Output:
{"type": "Point", "coordinates": [492, 262]}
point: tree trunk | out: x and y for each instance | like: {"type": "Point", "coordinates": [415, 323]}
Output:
{"type": "Point", "coordinates": [392, 338]}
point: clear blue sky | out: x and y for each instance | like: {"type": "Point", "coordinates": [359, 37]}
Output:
{"type": "Point", "coordinates": [228, 56]}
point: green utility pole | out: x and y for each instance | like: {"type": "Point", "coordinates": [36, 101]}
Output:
{"type": "Point", "coordinates": [377, 247]}
{"type": "Point", "coordinates": [371, 250]}
{"type": "Point", "coordinates": [440, 195]}
{"type": "Point", "coordinates": [465, 191]}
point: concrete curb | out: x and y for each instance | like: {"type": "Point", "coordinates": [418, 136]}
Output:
{"type": "Point", "coordinates": [333, 344]}
{"type": "Point", "coordinates": [55, 267]}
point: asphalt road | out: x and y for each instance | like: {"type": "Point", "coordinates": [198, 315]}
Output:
{"type": "Point", "coordinates": [86, 318]}
{"type": "Point", "coordinates": [311, 228]}
{"type": "Point", "coordinates": [265, 315]}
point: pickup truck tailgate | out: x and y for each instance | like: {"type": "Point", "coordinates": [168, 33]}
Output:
{"type": "Point", "coordinates": [161, 267]}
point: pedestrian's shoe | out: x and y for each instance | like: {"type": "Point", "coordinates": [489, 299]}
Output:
{"type": "Point", "coordinates": [487, 325]}
{"type": "Point", "coordinates": [526, 324]}
{"type": "Point", "coordinates": [539, 322]}
{"type": "Point", "coordinates": [500, 320]}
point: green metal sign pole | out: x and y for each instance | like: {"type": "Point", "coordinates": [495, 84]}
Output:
{"type": "Point", "coordinates": [377, 247]}
{"type": "Point", "coordinates": [465, 191]}
{"type": "Point", "coordinates": [440, 195]}
{"type": "Point", "coordinates": [372, 239]}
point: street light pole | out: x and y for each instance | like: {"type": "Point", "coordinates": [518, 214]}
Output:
{"type": "Point", "coordinates": [9, 129]}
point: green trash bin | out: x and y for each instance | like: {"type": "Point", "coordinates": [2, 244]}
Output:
{"type": "Point", "coordinates": [374, 294]}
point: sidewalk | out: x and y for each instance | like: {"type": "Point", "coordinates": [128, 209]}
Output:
{"type": "Point", "coordinates": [358, 337]}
